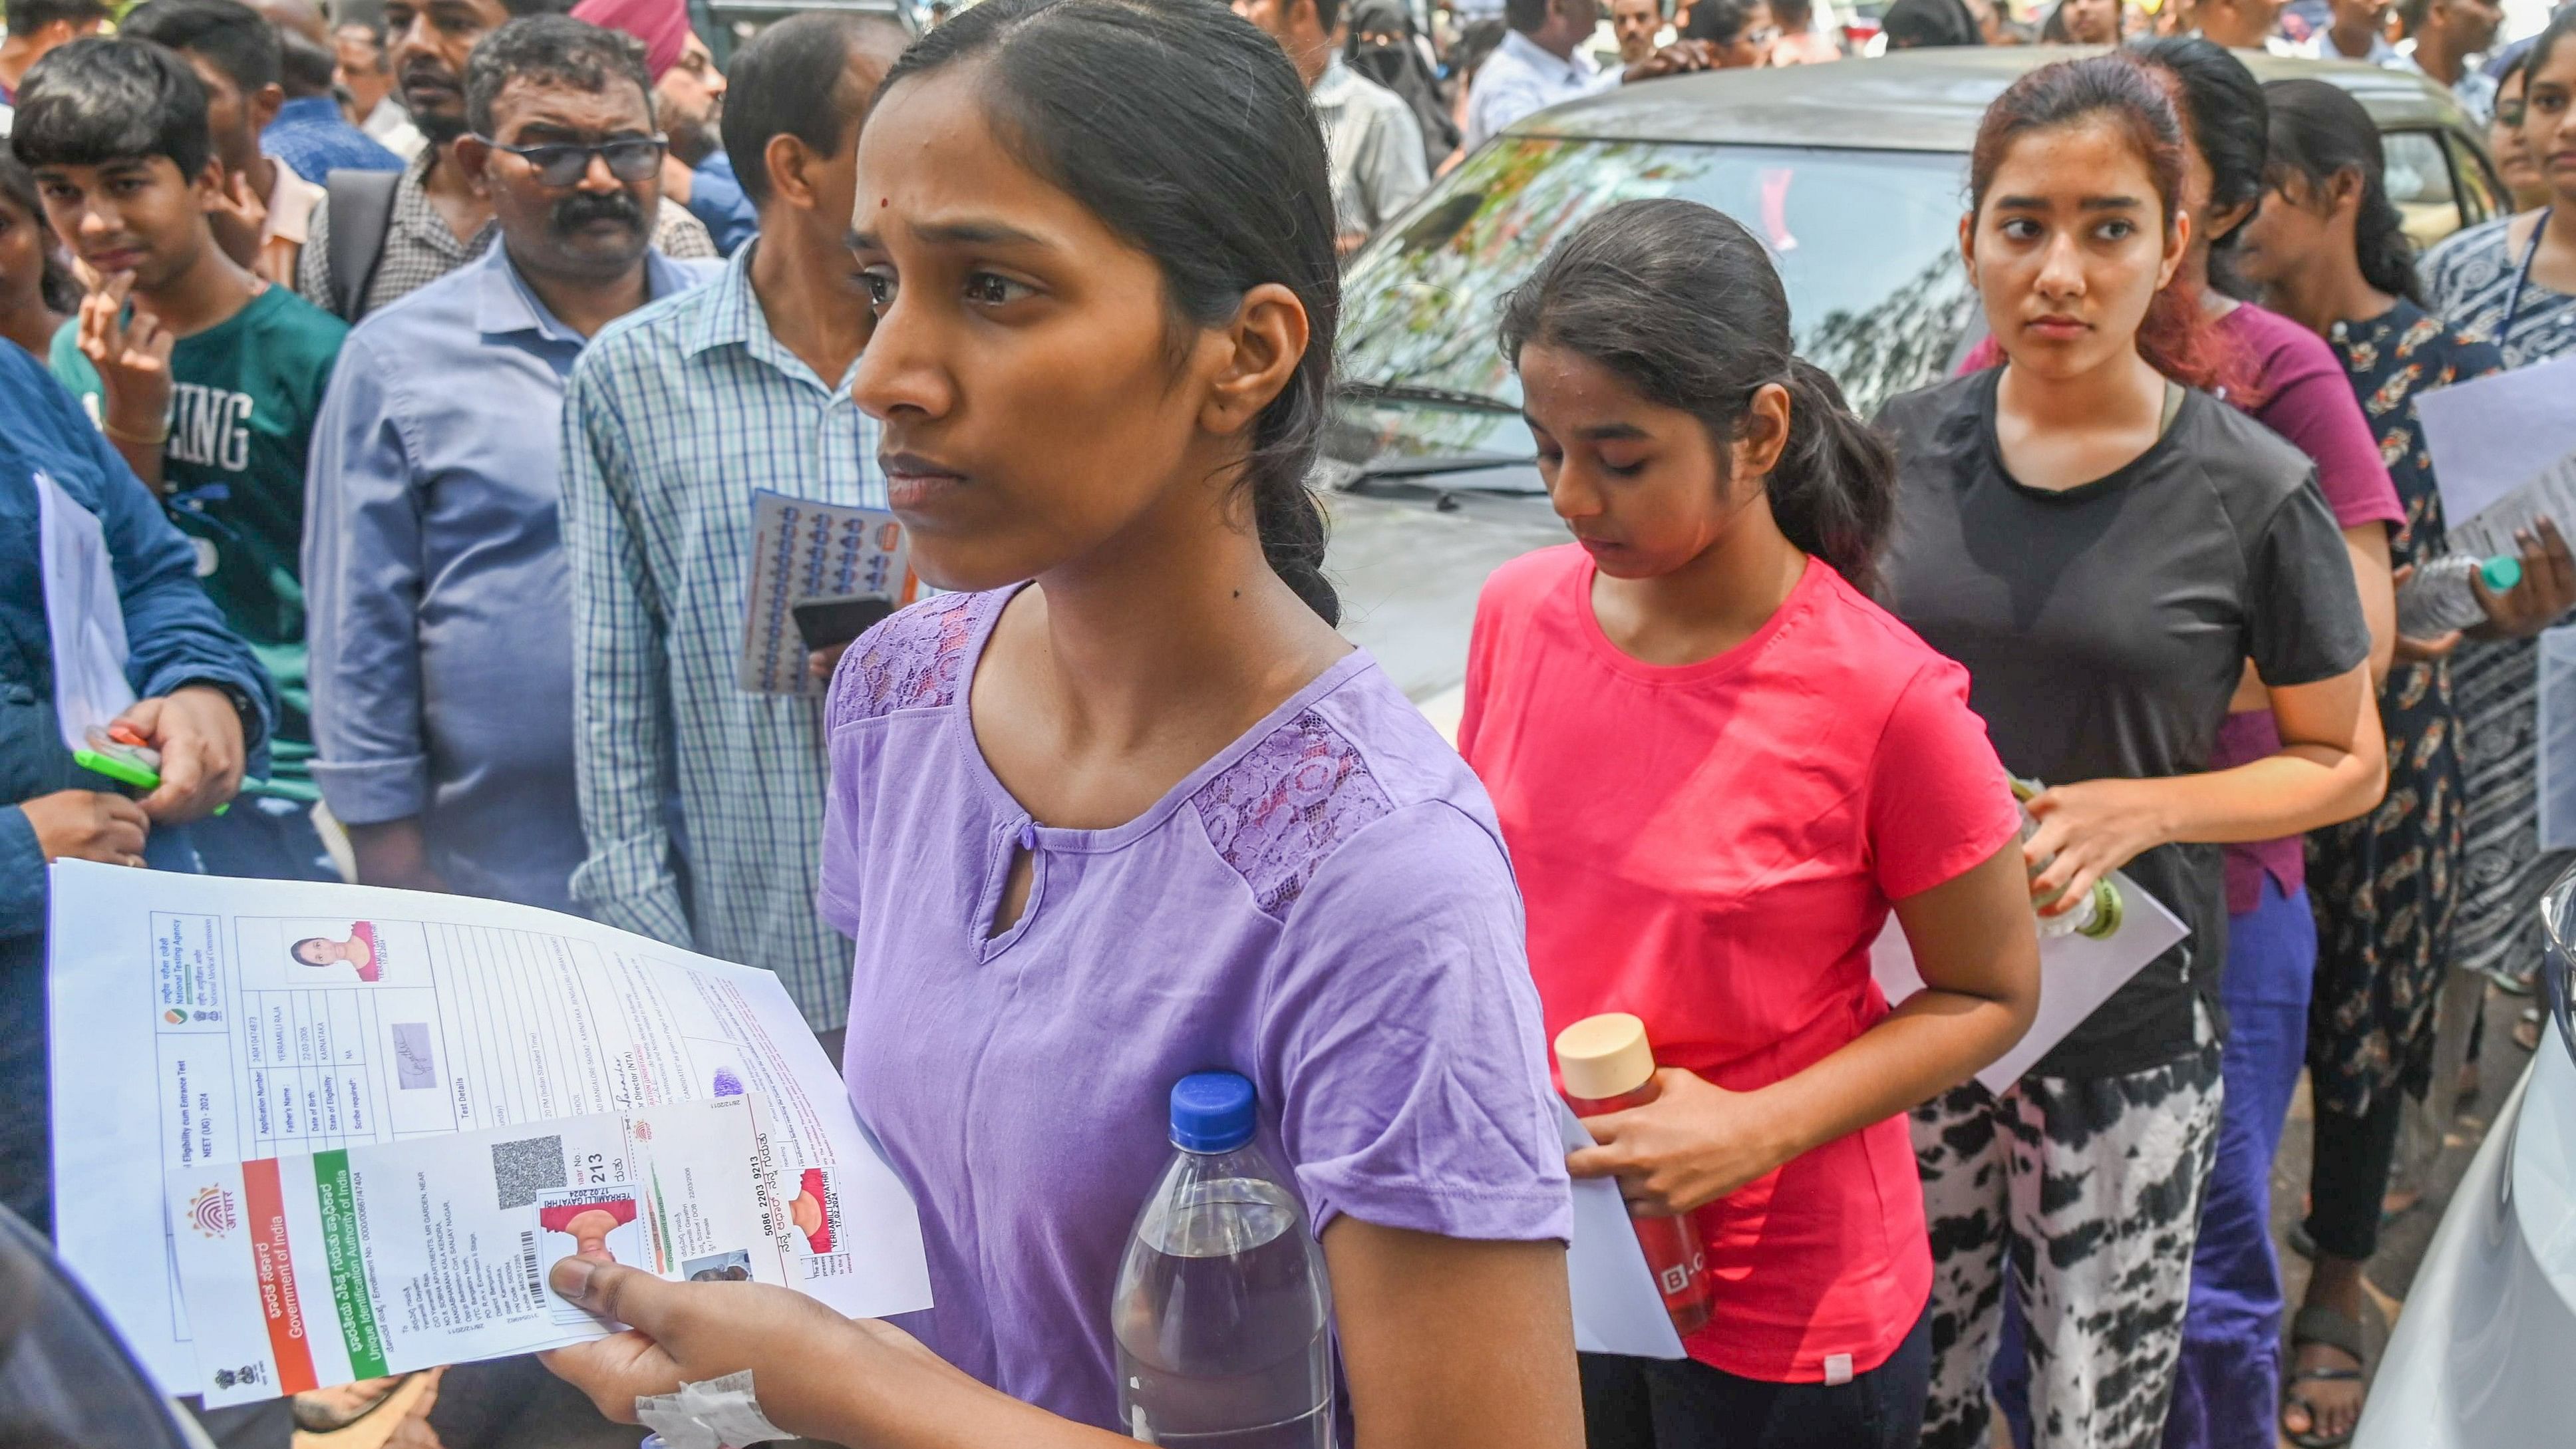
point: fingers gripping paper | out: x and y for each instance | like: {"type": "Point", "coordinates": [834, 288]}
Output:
{"type": "Point", "coordinates": [200, 1021]}
{"type": "Point", "coordinates": [353, 1263]}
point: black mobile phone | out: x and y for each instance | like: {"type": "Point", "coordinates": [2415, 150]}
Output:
{"type": "Point", "coordinates": [823, 623]}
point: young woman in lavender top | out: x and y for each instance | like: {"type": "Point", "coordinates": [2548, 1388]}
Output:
{"type": "Point", "coordinates": [1126, 807]}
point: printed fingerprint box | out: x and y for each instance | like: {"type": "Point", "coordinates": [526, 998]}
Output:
{"type": "Point", "coordinates": [347, 1264]}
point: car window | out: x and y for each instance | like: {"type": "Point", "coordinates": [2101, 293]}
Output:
{"type": "Point", "coordinates": [1866, 243]}
{"type": "Point", "coordinates": [2478, 200]}
{"type": "Point", "coordinates": [2419, 181]}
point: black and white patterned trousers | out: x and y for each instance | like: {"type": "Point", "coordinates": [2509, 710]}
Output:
{"type": "Point", "coordinates": [2090, 1191]}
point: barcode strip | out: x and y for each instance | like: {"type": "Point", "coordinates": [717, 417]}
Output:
{"type": "Point", "coordinates": [528, 1260]}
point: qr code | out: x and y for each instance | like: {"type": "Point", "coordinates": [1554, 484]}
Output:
{"type": "Point", "coordinates": [524, 1168]}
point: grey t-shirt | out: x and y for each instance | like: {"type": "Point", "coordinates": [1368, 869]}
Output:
{"type": "Point", "coordinates": [2105, 627]}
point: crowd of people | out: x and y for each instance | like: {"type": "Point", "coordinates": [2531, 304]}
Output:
{"type": "Point", "coordinates": [419, 374]}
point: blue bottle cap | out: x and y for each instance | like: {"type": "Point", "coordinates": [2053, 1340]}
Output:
{"type": "Point", "coordinates": [2502, 572]}
{"type": "Point", "coordinates": [1211, 1112]}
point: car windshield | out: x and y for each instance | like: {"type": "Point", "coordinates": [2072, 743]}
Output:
{"type": "Point", "coordinates": [1866, 242]}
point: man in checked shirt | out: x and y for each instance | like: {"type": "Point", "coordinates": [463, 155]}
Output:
{"type": "Point", "coordinates": [672, 420]}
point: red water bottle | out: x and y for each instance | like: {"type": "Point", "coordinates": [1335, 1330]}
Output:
{"type": "Point", "coordinates": [1608, 1067]}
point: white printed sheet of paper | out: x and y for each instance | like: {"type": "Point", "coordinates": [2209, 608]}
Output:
{"type": "Point", "coordinates": [804, 550]}
{"type": "Point", "coordinates": [352, 1263]}
{"type": "Point", "coordinates": [1616, 1307]}
{"type": "Point", "coordinates": [2504, 454]}
{"type": "Point", "coordinates": [2076, 974]}
{"type": "Point", "coordinates": [203, 1020]}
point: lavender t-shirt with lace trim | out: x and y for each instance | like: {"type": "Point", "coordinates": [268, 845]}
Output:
{"type": "Point", "coordinates": [1324, 907]}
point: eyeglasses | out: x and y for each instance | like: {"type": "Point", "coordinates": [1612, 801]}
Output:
{"type": "Point", "coordinates": [629, 158]}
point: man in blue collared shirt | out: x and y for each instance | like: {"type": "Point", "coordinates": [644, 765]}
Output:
{"type": "Point", "coordinates": [437, 600]}
{"type": "Point", "coordinates": [673, 419]}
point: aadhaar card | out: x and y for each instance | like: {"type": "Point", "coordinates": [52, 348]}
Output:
{"type": "Point", "coordinates": [319, 1269]}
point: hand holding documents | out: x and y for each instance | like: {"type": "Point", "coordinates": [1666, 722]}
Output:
{"type": "Point", "coordinates": [341, 1110]}
{"type": "Point", "coordinates": [802, 552]}
{"type": "Point", "coordinates": [1616, 1307]}
{"type": "Point", "coordinates": [2077, 973]}
{"type": "Point", "coordinates": [353, 1263]}
{"type": "Point", "coordinates": [2504, 454]}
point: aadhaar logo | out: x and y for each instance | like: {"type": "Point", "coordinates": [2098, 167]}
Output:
{"type": "Point", "coordinates": [213, 1212]}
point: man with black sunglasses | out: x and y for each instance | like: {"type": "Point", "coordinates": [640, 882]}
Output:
{"type": "Point", "coordinates": [441, 648]}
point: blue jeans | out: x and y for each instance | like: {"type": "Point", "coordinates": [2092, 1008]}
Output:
{"type": "Point", "coordinates": [2227, 1393]}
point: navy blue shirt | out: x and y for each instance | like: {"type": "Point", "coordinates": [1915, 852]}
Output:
{"type": "Point", "coordinates": [172, 630]}
{"type": "Point", "coordinates": [174, 636]}
{"type": "Point", "coordinates": [311, 136]}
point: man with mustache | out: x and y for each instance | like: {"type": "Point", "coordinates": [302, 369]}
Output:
{"type": "Point", "coordinates": [432, 221]}
{"type": "Point", "coordinates": [438, 602]}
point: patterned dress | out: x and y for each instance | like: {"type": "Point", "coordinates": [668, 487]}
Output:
{"type": "Point", "coordinates": [2470, 280]}
{"type": "Point", "coordinates": [2387, 882]}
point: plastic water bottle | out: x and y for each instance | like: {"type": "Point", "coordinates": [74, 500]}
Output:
{"type": "Point", "coordinates": [1608, 1066]}
{"type": "Point", "coordinates": [1223, 1315]}
{"type": "Point", "coordinates": [2438, 597]}
{"type": "Point", "coordinates": [2096, 916]}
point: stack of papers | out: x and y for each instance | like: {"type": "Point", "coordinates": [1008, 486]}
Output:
{"type": "Point", "coordinates": [305, 1134]}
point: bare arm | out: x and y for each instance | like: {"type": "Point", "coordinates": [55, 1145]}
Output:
{"type": "Point", "coordinates": [1451, 1344]}
{"type": "Point", "coordinates": [1448, 1345]}
{"type": "Point", "coordinates": [1978, 952]}
{"type": "Point", "coordinates": [2332, 766]}
{"type": "Point", "coordinates": [2367, 543]}
{"type": "Point", "coordinates": [393, 853]}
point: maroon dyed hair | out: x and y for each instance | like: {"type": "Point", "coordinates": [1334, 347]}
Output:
{"type": "Point", "coordinates": [2175, 337]}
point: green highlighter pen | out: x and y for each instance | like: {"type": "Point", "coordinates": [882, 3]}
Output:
{"type": "Point", "coordinates": [143, 777]}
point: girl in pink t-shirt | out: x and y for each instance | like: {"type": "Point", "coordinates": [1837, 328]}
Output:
{"type": "Point", "coordinates": [1719, 767]}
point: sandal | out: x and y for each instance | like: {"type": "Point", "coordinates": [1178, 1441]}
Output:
{"type": "Point", "coordinates": [2526, 1029]}
{"type": "Point", "coordinates": [2327, 1329]}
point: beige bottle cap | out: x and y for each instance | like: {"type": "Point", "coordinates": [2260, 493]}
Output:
{"type": "Point", "coordinates": [1601, 1057]}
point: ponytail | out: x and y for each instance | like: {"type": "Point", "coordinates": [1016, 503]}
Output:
{"type": "Point", "coordinates": [1833, 492]}
{"type": "Point", "coordinates": [1290, 520]}
{"type": "Point", "coordinates": [1681, 303]}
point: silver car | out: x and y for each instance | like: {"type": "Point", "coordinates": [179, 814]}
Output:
{"type": "Point", "coordinates": [2482, 1356]}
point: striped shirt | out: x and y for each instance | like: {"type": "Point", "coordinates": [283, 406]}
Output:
{"type": "Point", "coordinates": [420, 247]}
{"type": "Point", "coordinates": [674, 417]}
